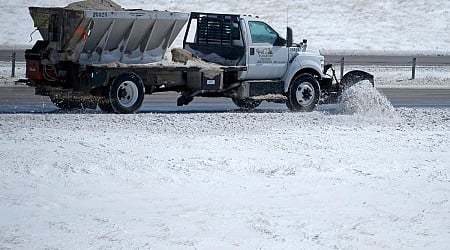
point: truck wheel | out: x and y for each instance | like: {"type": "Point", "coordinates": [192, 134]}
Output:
{"type": "Point", "coordinates": [303, 93]}
{"type": "Point", "coordinates": [126, 93]}
{"type": "Point", "coordinates": [246, 104]}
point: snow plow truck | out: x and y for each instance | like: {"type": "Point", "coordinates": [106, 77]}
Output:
{"type": "Point", "coordinates": [113, 58]}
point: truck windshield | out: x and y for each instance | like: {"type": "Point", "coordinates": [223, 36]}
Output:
{"type": "Point", "coordinates": [262, 33]}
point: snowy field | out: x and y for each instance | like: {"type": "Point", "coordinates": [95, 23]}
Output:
{"type": "Point", "coordinates": [361, 175]}
{"type": "Point", "coordinates": [329, 24]}
{"type": "Point", "coordinates": [350, 179]}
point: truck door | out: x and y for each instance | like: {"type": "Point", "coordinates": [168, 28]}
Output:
{"type": "Point", "coordinates": [267, 53]}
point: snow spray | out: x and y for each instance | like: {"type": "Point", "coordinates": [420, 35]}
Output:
{"type": "Point", "coordinates": [364, 99]}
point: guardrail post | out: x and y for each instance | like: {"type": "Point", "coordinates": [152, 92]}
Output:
{"type": "Point", "coordinates": [13, 64]}
{"type": "Point", "coordinates": [342, 67]}
{"type": "Point", "coordinates": [413, 76]}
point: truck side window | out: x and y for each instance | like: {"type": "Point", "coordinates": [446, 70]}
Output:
{"type": "Point", "coordinates": [262, 33]}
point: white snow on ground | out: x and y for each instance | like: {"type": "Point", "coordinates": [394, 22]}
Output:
{"type": "Point", "coordinates": [329, 24]}
{"type": "Point", "coordinates": [226, 180]}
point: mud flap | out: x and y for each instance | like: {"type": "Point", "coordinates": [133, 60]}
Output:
{"type": "Point", "coordinates": [355, 76]}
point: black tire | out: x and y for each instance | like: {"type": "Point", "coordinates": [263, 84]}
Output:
{"type": "Point", "coordinates": [304, 93]}
{"type": "Point", "coordinates": [126, 93]}
{"type": "Point", "coordinates": [288, 104]}
{"type": "Point", "coordinates": [246, 104]}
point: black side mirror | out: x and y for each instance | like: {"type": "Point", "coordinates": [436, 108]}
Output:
{"type": "Point", "coordinates": [289, 38]}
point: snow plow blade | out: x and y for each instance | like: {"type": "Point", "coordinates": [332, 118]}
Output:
{"type": "Point", "coordinates": [355, 76]}
{"type": "Point", "coordinates": [104, 36]}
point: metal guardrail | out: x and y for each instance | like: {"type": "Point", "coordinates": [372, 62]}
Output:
{"type": "Point", "coordinates": [12, 56]}
{"type": "Point", "coordinates": [391, 58]}
{"type": "Point", "coordinates": [387, 58]}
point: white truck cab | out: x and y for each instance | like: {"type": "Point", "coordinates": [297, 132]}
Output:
{"type": "Point", "coordinates": [273, 65]}
{"type": "Point", "coordinates": [269, 57]}
{"type": "Point", "coordinates": [275, 69]}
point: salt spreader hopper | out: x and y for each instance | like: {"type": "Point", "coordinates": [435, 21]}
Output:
{"type": "Point", "coordinates": [104, 36]}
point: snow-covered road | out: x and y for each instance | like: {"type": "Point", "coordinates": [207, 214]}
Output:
{"type": "Point", "coordinates": [274, 180]}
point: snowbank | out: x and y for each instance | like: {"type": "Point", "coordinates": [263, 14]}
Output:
{"type": "Point", "coordinates": [225, 180]}
{"type": "Point", "coordinates": [330, 24]}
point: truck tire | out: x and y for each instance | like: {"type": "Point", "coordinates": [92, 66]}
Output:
{"type": "Point", "coordinates": [126, 93]}
{"type": "Point", "coordinates": [246, 104]}
{"type": "Point", "coordinates": [303, 94]}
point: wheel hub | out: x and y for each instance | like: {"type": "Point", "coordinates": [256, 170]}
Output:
{"type": "Point", "coordinates": [122, 93]}
{"type": "Point", "coordinates": [305, 93]}
{"type": "Point", "coordinates": [127, 94]}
